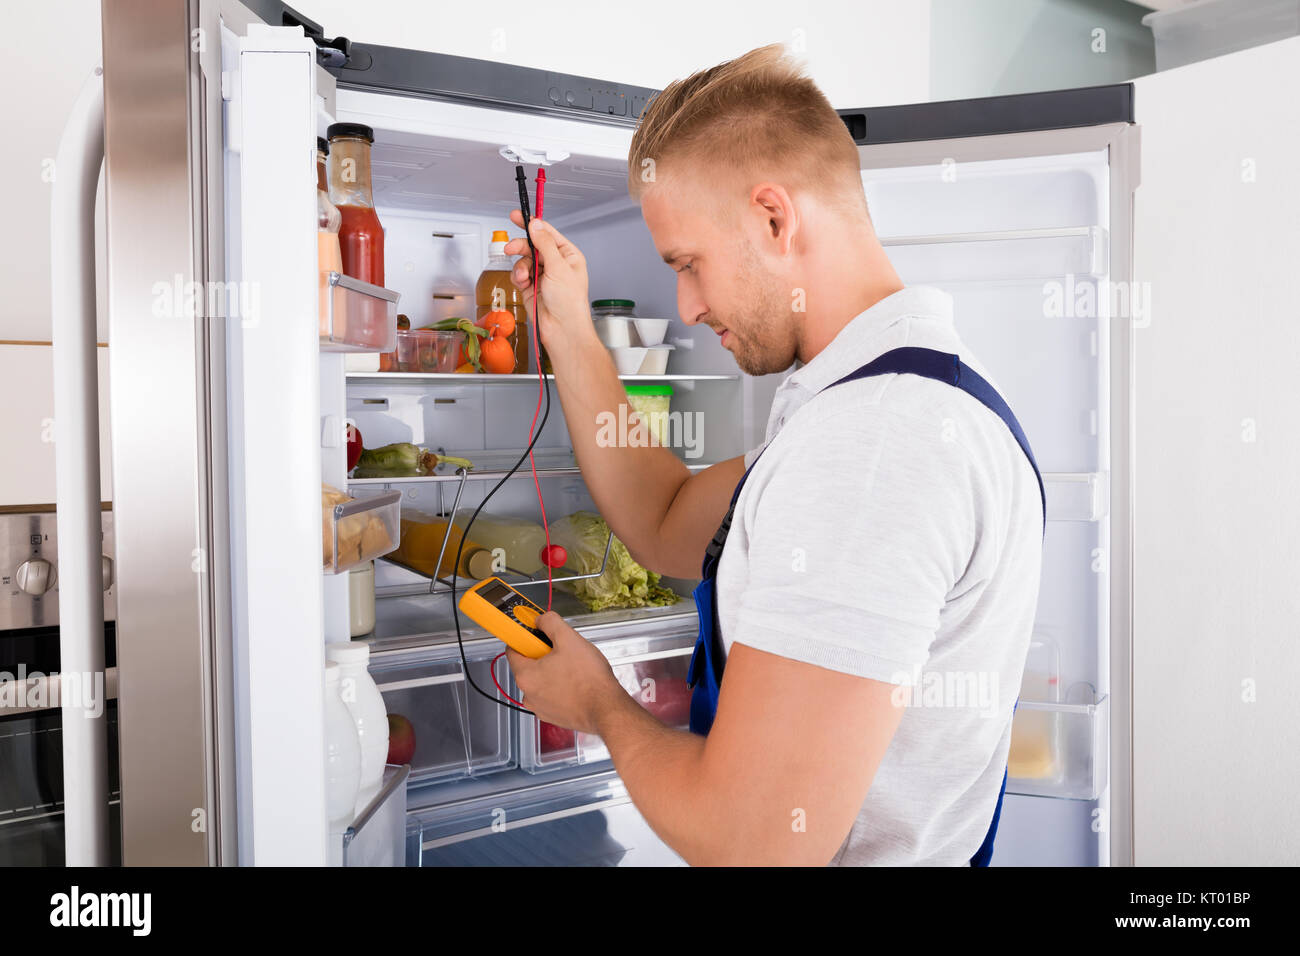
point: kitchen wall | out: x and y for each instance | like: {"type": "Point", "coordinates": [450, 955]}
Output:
{"type": "Point", "coordinates": [48, 49]}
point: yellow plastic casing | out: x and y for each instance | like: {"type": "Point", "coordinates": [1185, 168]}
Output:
{"type": "Point", "coordinates": [509, 618]}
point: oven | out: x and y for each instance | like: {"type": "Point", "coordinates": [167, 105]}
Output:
{"type": "Point", "coordinates": [32, 688]}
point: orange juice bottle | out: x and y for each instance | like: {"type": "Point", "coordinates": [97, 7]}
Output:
{"type": "Point", "coordinates": [495, 291]}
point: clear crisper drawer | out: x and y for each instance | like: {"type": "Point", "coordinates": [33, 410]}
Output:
{"type": "Point", "coordinates": [1059, 749]}
{"type": "Point", "coordinates": [457, 732]}
{"type": "Point", "coordinates": [360, 529]}
{"type": "Point", "coordinates": [652, 670]}
{"type": "Point", "coordinates": [585, 822]}
{"type": "Point", "coordinates": [356, 316]}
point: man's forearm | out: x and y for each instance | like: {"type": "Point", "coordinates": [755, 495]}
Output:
{"type": "Point", "coordinates": [663, 770]}
{"type": "Point", "coordinates": [633, 486]}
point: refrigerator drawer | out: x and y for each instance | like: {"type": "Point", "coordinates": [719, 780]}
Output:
{"type": "Point", "coordinates": [458, 733]}
{"type": "Point", "coordinates": [653, 670]}
{"type": "Point", "coordinates": [589, 821]}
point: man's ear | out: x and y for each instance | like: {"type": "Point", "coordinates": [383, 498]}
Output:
{"type": "Point", "coordinates": [779, 210]}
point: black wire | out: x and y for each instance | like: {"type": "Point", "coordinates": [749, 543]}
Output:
{"type": "Point", "coordinates": [455, 608]}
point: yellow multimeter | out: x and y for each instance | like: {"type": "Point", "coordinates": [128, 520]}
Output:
{"type": "Point", "coordinates": [505, 613]}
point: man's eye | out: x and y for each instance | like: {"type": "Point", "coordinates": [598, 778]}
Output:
{"type": "Point", "coordinates": [684, 268]}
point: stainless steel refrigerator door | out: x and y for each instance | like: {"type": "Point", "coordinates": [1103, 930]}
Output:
{"type": "Point", "coordinates": [1217, 241]}
{"type": "Point", "coordinates": [163, 176]}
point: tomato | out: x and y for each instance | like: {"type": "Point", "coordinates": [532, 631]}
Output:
{"type": "Point", "coordinates": [553, 556]}
{"type": "Point", "coordinates": [497, 356]}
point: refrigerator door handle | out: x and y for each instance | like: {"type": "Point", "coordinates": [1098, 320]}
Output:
{"type": "Point", "coordinates": [76, 457]}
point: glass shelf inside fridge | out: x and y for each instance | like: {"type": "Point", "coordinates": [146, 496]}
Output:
{"type": "Point", "coordinates": [356, 316]}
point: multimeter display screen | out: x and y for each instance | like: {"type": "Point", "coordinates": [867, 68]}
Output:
{"type": "Point", "coordinates": [496, 593]}
{"type": "Point", "coordinates": [504, 597]}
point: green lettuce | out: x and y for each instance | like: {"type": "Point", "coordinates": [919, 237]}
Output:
{"type": "Point", "coordinates": [624, 582]}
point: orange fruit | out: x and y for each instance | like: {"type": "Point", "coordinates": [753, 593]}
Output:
{"type": "Point", "coordinates": [500, 321]}
{"type": "Point", "coordinates": [497, 356]}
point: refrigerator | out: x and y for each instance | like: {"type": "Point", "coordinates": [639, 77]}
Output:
{"type": "Point", "coordinates": [1026, 209]}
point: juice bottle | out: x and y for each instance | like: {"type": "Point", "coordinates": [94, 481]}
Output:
{"type": "Point", "coordinates": [521, 540]}
{"type": "Point", "coordinates": [495, 291]}
{"type": "Point", "coordinates": [421, 537]}
{"type": "Point", "coordinates": [328, 255]}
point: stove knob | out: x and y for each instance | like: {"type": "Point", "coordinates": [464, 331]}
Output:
{"type": "Point", "coordinates": [106, 568]}
{"type": "Point", "coordinates": [35, 576]}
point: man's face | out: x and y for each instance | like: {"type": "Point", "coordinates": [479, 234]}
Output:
{"type": "Point", "coordinates": [725, 278]}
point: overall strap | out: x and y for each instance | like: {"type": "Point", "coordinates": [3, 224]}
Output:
{"type": "Point", "coordinates": [945, 367]}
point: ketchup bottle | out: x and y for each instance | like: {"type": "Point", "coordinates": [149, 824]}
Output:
{"type": "Point", "coordinates": [361, 237]}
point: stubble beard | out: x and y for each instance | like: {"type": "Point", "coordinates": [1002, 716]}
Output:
{"type": "Point", "coordinates": [768, 342]}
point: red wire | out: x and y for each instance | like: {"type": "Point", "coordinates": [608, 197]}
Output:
{"type": "Point", "coordinates": [541, 391]}
{"type": "Point", "coordinates": [498, 683]}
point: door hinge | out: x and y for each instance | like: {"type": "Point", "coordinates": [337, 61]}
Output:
{"type": "Point", "coordinates": [331, 53]}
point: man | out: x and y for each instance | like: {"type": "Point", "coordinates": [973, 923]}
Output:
{"type": "Point", "coordinates": [887, 540]}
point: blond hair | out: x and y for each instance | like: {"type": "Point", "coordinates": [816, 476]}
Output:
{"type": "Point", "coordinates": [758, 113]}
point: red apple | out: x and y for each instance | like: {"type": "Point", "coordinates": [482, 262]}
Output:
{"type": "Point", "coordinates": [401, 739]}
{"type": "Point", "coordinates": [555, 738]}
{"type": "Point", "coordinates": [354, 446]}
{"type": "Point", "coordinates": [672, 703]}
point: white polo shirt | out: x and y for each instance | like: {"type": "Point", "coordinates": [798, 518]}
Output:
{"type": "Point", "coordinates": [892, 529]}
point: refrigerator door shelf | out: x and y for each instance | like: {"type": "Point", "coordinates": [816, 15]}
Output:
{"type": "Point", "coordinates": [356, 316]}
{"type": "Point", "coordinates": [360, 530]}
{"type": "Point", "coordinates": [457, 732]}
{"type": "Point", "coordinates": [1009, 255]}
{"type": "Point", "coordinates": [1059, 750]}
{"type": "Point", "coordinates": [377, 837]}
{"type": "Point", "coordinates": [1076, 496]}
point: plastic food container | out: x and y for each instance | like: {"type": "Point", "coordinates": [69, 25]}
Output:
{"type": "Point", "coordinates": [358, 529]}
{"type": "Point", "coordinates": [624, 308]}
{"type": "Point", "coordinates": [651, 402]}
{"type": "Point", "coordinates": [358, 316]}
{"type": "Point", "coordinates": [628, 360]}
{"type": "Point", "coordinates": [428, 350]}
{"type": "Point", "coordinates": [651, 331]}
{"type": "Point", "coordinates": [655, 361]}
{"type": "Point", "coordinates": [614, 332]}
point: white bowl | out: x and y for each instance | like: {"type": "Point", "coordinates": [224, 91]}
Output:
{"type": "Point", "coordinates": [628, 360]}
{"type": "Point", "coordinates": [614, 332]}
{"type": "Point", "coordinates": [655, 361]}
{"type": "Point", "coordinates": [651, 331]}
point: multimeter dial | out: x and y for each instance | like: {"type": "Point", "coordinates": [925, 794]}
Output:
{"type": "Point", "coordinates": [514, 605]}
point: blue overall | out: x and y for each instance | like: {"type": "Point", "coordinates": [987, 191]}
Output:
{"type": "Point", "coordinates": [705, 676]}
